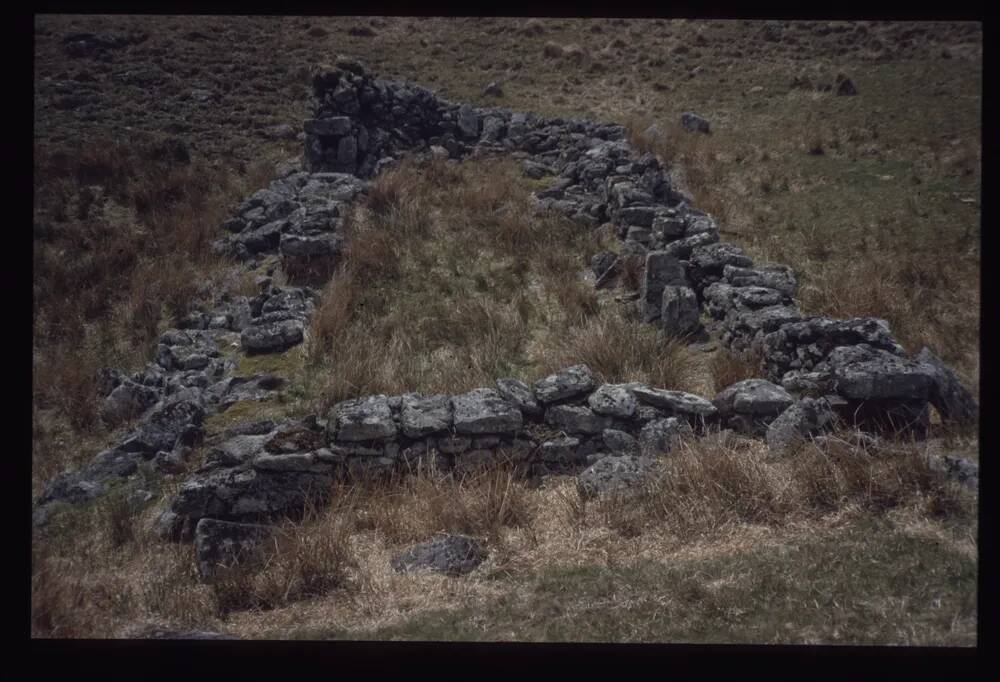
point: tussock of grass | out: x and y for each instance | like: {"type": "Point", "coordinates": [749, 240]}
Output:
{"type": "Point", "coordinates": [729, 368]}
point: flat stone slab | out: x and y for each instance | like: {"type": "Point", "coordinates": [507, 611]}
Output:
{"type": "Point", "coordinates": [574, 419]}
{"type": "Point", "coordinates": [484, 410]}
{"type": "Point", "coordinates": [452, 555]}
{"type": "Point", "coordinates": [865, 373]}
{"type": "Point", "coordinates": [676, 402]}
{"type": "Point", "coordinates": [422, 415]}
{"type": "Point", "coordinates": [363, 419]}
{"type": "Point", "coordinates": [572, 382]}
{"type": "Point", "coordinates": [753, 396]}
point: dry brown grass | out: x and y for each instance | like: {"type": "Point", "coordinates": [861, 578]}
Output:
{"type": "Point", "coordinates": [619, 349]}
{"type": "Point", "coordinates": [728, 368]}
{"type": "Point", "coordinates": [451, 281]}
{"type": "Point", "coordinates": [121, 248]}
{"type": "Point", "coordinates": [709, 484]}
{"type": "Point", "coordinates": [306, 559]}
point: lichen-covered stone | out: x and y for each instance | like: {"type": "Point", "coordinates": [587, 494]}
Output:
{"type": "Point", "coordinates": [572, 382]}
{"type": "Point", "coordinates": [484, 410]}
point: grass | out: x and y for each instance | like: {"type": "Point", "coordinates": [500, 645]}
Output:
{"type": "Point", "coordinates": [451, 282]}
{"type": "Point", "coordinates": [845, 589]}
{"type": "Point", "coordinates": [842, 536]}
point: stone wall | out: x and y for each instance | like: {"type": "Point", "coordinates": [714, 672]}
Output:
{"type": "Point", "coordinates": [818, 371]}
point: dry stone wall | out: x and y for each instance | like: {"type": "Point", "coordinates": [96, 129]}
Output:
{"type": "Point", "coordinates": [818, 372]}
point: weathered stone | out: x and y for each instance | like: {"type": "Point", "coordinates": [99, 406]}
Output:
{"type": "Point", "coordinates": [569, 383]}
{"type": "Point", "coordinates": [305, 462]}
{"type": "Point", "coordinates": [679, 311]}
{"type": "Point", "coordinates": [802, 345]}
{"type": "Point", "coordinates": [752, 404]}
{"type": "Point", "coordinates": [236, 450]}
{"type": "Point", "coordinates": [246, 494]}
{"type": "Point", "coordinates": [423, 415]}
{"type": "Point", "coordinates": [677, 403]}
{"type": "Point", "coordinates": [668, 228]}
{"type": "Point", "coordinates": [363, 419]}
{"type": "Point", "coordinates": [303, 436]}
{"type": "Point", "coordinates": [560, 450]}
{"type": "Point", "coordinates": [224, 543]}
{"type": "Point", "coordinates": [304, 246]}
{"type": "Point", "coordinates": [803, 419]}
{"type": "Point", "coordinates": [661, 270]}
{"type": "Point", "coordinates": [959, 469]}
{"type": "Point", "coordinates": [682, 248]}
{"type": "Point", "coordinates": [694, 123]}
{"type": "Point", "coordinates": [468, 122]}
{"type": "Point", "coordinates": [272, 338]}
{"type": "Point", "coordinates": [128, 401]}
{"type": "Point", "coordinates": [334, 126]}
{"type": "Point", "coordinates": [572, 419]}
{"type": "Point", "coordinates": [779, 277]}
{"type": "Point", "coordinates": [624, 475]}
{"type": "Point", "coordinates": [602, 262]}
{"type": "Point", "coordinates": [484, 410]}
{"type": "Point", "coordinates": [452, 555]}
{"type": "Point", "coordinates": [714, 257]}
{"type": "Point", "coordinates": [951, 399]}
{"type": "Point", "coordinates": [613, 400]}
{"type": "Point", "coordinates": [619, 442]}
{"type": "Point", "coordinates": [453, 445]}
{"type": "Point", "coordinates": [864, 372]}
{"type": "Point", "coordinates": [662, 435]}
{"type": "Point", "coordinates": [519, 394]}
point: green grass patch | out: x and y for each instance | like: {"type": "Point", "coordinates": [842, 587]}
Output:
{"type": "Point", "coordinates": [871, 585]}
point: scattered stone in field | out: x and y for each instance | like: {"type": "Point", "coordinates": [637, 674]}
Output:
{"type": "Point", "coordinates": [622, 475]}
{"type": "Point", "coordinates": [453, 555]}
{"type": "Point", "coordinates": [493, 89]}
{"type": "Point", "coordinates": [695, 124]}
{"type": "Point", "coordinates": [959, 469]}
{"type": "Point", "coordinates": [845, 86]}
{"type": "Point", "coordinates": [226, 543]}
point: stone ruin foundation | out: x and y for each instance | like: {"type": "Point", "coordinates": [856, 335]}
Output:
{"type": "Point", "coordinates": [817, 372]}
